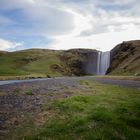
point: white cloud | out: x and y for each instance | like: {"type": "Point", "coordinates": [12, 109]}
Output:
{"type": "Point", "coordinates": [50, 21]}
{"type": "Point", "coordinates": [104, 41]}
{"type": "Point", "coordinates": [5, 20]}
{"type": "Point", "coordinates": [38, 17]}
{"type": "Point", "coordinates": [6, 44]}
{"type": "Point", "coordinates": [72, 23]}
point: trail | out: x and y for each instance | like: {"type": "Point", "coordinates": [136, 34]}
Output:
{"type": "Point", "coordinates": [126, 83]}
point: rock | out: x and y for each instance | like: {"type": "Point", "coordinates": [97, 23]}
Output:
{"type": "Point", "coordinates": [79, 62]}
{"type": "Point", "coordinates": [137, 74]}
{"type": "Point", "coordinates": [48, 76]}
{"type": "Point", "coordinates": [125, 58]}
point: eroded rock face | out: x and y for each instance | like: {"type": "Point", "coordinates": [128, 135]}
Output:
{"type": "Point", "coordinates": [80, 61]}
{"type": "Point", "coordinates": [125, 58]}
{"type": "Point", "coordinates": [86, 61]}
{"type": "Point", "coordinates": [90, 63]}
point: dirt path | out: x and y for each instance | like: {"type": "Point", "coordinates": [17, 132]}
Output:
{"type": "Point", "coordinates": [127, 83]}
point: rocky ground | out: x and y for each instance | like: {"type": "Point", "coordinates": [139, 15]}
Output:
{"type": "Point", "coordinates": [20, 99]}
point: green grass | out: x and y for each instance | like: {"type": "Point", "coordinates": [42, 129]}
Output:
{"type": "Point", "coordinates": [17, 91]}
{"type": "Point", "coordinates": [29, 62]}
{"type": "Point", "coordinates": [29, 92]}
{"type": "Point", "coordinates": [36, 62]}
{"type": "Point", "coordinates": [96, 112]}
{"type": "Point", "coordinates": [126, 59]}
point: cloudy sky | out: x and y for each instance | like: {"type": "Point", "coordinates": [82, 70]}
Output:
{"type": "Point", "coordinates": [65, 24]}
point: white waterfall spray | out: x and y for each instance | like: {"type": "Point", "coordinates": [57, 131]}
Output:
{"type": "Point", "coordinates": [103, 62]}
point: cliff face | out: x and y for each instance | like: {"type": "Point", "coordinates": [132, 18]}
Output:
{"type": "Point", "coordinates": [125, 58]}
{"type": "Point", "coordinates": [80, 61]}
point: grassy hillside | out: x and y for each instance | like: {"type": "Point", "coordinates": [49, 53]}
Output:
{"type": "Point", "coordinates": [125, 58]}
{"type": "Point", "coordinates": [28, 62]}
{"type": "Point", "coordinates": [43, 62]}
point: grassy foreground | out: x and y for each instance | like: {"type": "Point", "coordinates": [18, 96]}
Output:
{"type": "Point", "coordinates": [94, 112]}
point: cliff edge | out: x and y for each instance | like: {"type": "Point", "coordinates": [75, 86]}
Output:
{"type": "Point", "coordinates": [125, 59]}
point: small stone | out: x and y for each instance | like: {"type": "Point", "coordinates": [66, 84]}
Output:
{"type": "Point", "coordinates": [137, 74]}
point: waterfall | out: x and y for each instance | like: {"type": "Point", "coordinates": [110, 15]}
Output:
{"type": "Point", "coordinates": [103, 62]}
{"type": "Point", "coordinates": [98, 62]}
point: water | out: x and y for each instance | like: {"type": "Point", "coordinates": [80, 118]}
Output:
{"type": "Point", "coordinates": [103, 62]}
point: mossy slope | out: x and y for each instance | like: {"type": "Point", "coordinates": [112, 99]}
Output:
{"type": "Point", "coordinates": [125, 58]}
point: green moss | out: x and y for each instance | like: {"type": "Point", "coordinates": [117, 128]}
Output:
{"type": "Point", "coordinates": [29, 92]}
{"type": "Point", "coordinates": [125, 59]}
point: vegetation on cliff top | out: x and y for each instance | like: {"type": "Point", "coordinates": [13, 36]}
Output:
{"type": "Point", "coordinates": [125, 59]}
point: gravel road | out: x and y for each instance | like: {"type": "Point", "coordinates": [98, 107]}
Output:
{"type": "Point", "coordinates": [127, 83]}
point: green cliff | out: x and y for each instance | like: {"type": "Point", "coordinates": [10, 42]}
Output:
{"type": "Point", "coordinates": [125, 59]}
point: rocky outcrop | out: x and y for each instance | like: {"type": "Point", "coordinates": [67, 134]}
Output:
{"type": "Point", "coordinates": [80, 61]}
{"type": "Point", "coordinates": [125, 58]}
